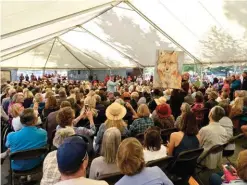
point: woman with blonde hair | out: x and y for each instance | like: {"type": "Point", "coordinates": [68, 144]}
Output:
{"type": "Point", "coordinates": [50, 165]}
{"type": "Point", "coordinates": [185, 108]}
{"type": "Point", "coordinates": [106, 163]}
{"type": "Point", "coordinates": [28, 98]}
{"type": "Point", "coordinates": [15, 111]}
{"type": "Point", "coordinates": [114, 113]}
{"type": "Point", "coordinates": [17, 98]}
{"type": "Point", "coordinates": [130, 161]}
{"type": "Point", "coordinates": [237, 107]}
{"type": "Point", "coordinates": [89, 104]}
{"type": "Point", "coordinates": [48, 94]}
{"type": "Point", "coordinates": [143, 122]}
{"type": "Point", "coordinates": [38, 103]}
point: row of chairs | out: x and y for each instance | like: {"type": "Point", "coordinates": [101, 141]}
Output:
{"type": "Point", "coordinates": [34, 154]}
{"type": "Point", "coordinates": [180, 169]}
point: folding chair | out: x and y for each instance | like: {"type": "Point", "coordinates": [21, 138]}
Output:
{"type": "Point", "coordinates": [26, 155]}
{"type": "Point", "coordinates": [229, 153]}
{"type": "Point", "coordinates": [112, 178]}
{"type": "Point", "coordinates": [50, 142]}
{"type": "Point", "coordinates": [165, 133]}
{"type": "Point", "coordinates": [184, 166]}
{"type": "Point", "coordinates": [162, 163]}
{"type": "Point", "coordinates": [213, 150]}
{"type": "Point", "coordinates": [4, 132]}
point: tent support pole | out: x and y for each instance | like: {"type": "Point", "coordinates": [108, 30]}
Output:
{"type": "Point", "coordinates": [138, 64]}
{"type": "Point", "coordinates": [49, 55]}
{"type": "Point", "coordinates": [161, 31]}
{"type": "Point", "coordinates": [73, 55]}
{"type": "Point", "coordinates": [85, 54]}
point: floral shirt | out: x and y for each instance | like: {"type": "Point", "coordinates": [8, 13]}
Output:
{"type": "Point", "coordinates": [51, 174]}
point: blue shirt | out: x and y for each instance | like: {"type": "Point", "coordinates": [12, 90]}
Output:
{"type": "Point", "coordinates": [29, 137]}
{"type": "Point", "coordinates": [148, 176]}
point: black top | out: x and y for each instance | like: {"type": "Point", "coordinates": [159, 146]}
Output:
{"type": "Point", "coordinates": [187, 143]}
{"type": "Point", "coordinates": [210, 104]}
{"type": "Point", "coordinates": [244, 85]}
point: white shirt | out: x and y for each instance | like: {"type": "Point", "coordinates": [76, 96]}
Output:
{"type": "Point", "coordinates": [228, 125]}
{"type": "Point", "coordinates": [16, 123]}
{"type": "Point", "coordinates": [54, 80]}
{"type": "Point", "coordinates": [154, 155]}
{"type": "Point", "coordinates": [80, 181]}
{"type": "Point", "coordinates": [212, 135]}
{"type": "Point", "coordinates": [99, 167]}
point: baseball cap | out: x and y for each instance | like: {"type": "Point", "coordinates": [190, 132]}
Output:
{"type": "Point", "coordinates": [71, 154]}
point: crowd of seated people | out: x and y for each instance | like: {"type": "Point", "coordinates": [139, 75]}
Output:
{"type": "Point", "coordinates": [112, 114]}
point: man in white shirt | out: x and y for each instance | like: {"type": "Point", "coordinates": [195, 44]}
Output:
{"type": "Point", "coordinates": [72, 159]}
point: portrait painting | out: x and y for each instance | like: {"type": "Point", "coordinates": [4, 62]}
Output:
{"type": "Point", "coordinates": [167, 72]}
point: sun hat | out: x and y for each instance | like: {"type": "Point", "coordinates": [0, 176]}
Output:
{"type": "Point", "coordinates": [161, 100]}
{"type": "Point", "coordinates": [163, 110]}
{"type": "Point", "coordinates": [115, 111]}
{"type": "Point", "coordinates": [71, 154]}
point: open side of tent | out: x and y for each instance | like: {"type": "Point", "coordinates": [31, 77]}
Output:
{"type": "Point", "coordinates": [108, 34]}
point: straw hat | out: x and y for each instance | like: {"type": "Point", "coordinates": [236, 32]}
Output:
{"type": "Point", "coordinates": [161, 100]}
{"type": "Point", "coordinates": [115, 111]}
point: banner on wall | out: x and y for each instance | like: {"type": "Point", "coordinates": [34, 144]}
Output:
{"type": "Point", "coordinates": [168, 69]}
{"type": "Point", "coordinates": [5, 76]}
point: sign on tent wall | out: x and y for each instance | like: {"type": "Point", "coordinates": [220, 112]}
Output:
{"type": "Point", "coordinates": [5, 76]}
{"type": "Point", "coordinates": [168, 68]}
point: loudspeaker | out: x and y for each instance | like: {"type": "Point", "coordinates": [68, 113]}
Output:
{"type": "Point", "coordinates": [79, 72]}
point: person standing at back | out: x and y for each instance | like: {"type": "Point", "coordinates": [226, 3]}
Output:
{"type": "Point", "coordinates": [111, 85]}
{"type": "Point", "coordinates": [235, 85]}
{"type": "Point", "coordinates": [244, 84]}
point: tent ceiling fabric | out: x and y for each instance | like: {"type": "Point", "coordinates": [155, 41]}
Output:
{"type": "Point", "coordinates": [31, 13]}
{"type": "Point", "coordinates": [113, 35]}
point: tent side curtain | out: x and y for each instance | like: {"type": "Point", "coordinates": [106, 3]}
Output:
{"type": "Point", "coordinates": [129, 34]}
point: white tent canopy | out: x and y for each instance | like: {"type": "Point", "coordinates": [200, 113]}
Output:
{"type": "Point", "coordinates": [108, 34]}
